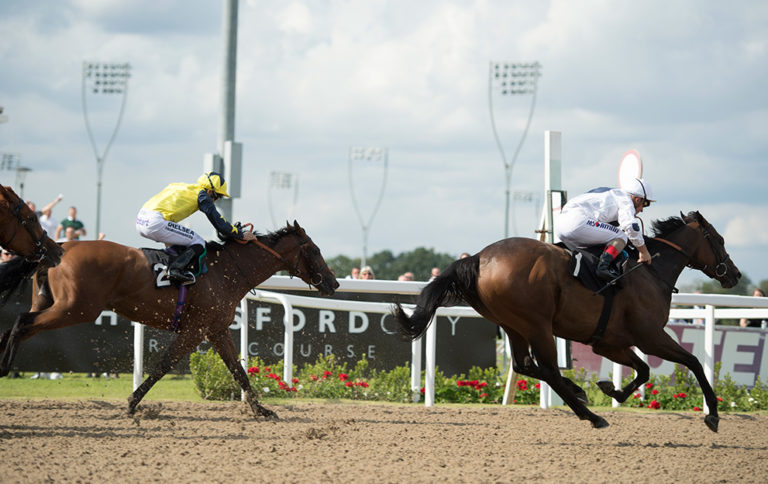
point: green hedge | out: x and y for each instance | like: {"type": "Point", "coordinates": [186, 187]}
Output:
{"type": "Point", "coordinates": [330, 379]}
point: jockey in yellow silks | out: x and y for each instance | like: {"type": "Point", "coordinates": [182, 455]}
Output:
{"type": "Point", "coordinates": [159, 216]}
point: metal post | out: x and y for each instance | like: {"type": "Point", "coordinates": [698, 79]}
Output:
{"type": "Point", "coordinates": [138, 354]}
{"type": "Point", "coordinates": [229, 76]}
{"type": "Point", "coordinates": [416, 355]}
{"type": "Point", "coordinates": [431, 356]}
{"type": "Point", "coordinates": [709, 348]}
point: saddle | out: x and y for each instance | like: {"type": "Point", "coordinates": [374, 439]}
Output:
{"type": "Point", "coordinates": [583, 266]}
{"type": "Point", "coordinates": [160, 259]}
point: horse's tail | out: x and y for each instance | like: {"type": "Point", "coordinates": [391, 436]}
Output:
{"type": "Point", "coordinates": [12, 274]}
{"type": "Point", "coordinates": [455, 284]}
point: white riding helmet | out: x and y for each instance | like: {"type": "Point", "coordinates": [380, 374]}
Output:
{"type": "Point", "coordinates": [640, 188]}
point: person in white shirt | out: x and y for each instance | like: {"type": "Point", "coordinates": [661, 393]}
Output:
{"type": "Point", "coordinates": [586, 220]}
{"type": "Point", "coordinates": [45, 217]}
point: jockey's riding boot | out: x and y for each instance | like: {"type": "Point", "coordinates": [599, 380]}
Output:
{"type": "Point", "coordinates": [178, 270]}
{"type": "Point", "coordinates": [605, 270]}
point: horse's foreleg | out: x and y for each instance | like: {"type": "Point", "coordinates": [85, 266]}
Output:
{"type": "Point", "coordinates": [183, 345]}
{"type": "Point", "coordinates": [546, 356]}
{"type": "Point", "coordinates": [11, 340]}
{"type": "Point", "coordinates": [663, 346]}
{"type": "Point", "coordinates": [626, 357]}
{"type": "Point", "coordinates": [223, 344]}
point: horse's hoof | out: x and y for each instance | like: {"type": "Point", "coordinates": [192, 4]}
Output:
{"type": "Point", "coordinates": [268, 414]}
{"type": "Point", "coordinates": [712, 421]}
{"type": "Point", "coordinates": [600, 423]}
{"type": "Point", "coordinates": [606, 386]}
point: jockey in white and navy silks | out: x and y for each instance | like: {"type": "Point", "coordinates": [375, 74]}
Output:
{"type": "Point", "coordinates": [587, 219]}
{"type": "Point", "coordinates": [159, 216]}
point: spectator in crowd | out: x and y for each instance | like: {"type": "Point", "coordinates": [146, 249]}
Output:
{"type": "Point", "coordinates": [754, 323]}
{"type": "Point", "coordinates": [408, 276]}
{"type": "Point", "coordinates": [71, 221]}
{"type": "Point", "coordinates": [354, 274]}
{"type": "Point", "coordinates": [44, 215]}
{"type": "Point", "coordinates": [464, 255]}
{"type": "Point", "coordinates": [401, 277]}
{"type": "Point", "coordinates": [69, 235]}
{"type": "Point", "coordinates": [366, 273]}
{"type": "Point", "coordinates": [435, 273]}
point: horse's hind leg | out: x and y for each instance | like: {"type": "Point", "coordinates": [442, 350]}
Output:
{"type": "Point", "coordinates": [31, 323]}
{"type": "Point", "coordinates": [183, 345]}
{"type": "Point", "coordinates": [663, 346]}
{"type": "Point", "coordinates": [223, 344]}
{"type": "Point", "coordinates": [522, 363]}
{"type": "Point", "coordinates": [626, 357]}
{"type": "Point", "coordinates": [546, 356]}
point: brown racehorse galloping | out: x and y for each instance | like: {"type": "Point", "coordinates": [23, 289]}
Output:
{"type": "Point", "coordinates": [98, 275]}
{"type": "Point", "coordinates": [525, 287]}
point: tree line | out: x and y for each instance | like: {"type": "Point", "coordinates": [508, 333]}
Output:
{"type": "Point", "coordinates": [387, 265]}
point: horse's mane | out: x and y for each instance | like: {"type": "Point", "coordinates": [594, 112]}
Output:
{"type": "Point", "coordinates": [662, 228]}
{"type": "Point", "coordinates": [272, 238]}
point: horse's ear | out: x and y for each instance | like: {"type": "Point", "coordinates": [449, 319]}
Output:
{"type": "Point", "coordinates": [296, 224]}
{"type": "Point", "coordinates": [691, 217]}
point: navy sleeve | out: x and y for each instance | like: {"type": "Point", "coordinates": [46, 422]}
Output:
{"type": "Point", "coordinates": [205, 204]}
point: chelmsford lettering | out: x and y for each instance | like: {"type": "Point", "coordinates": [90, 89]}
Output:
{"type": "Point", "coordinates": [352, 322]}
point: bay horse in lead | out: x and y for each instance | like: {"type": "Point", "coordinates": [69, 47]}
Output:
{"type": "Point", "coordinates": [525, 287]}
{"type": "Point", "coordinates": [99, 274]}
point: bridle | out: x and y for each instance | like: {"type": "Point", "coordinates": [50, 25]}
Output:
{"type": "Point", "coordinates": [720, 269]}
{"type": "Point", "coordinates": [293, 269]}
{"type": "Point", "coordinates": [28, 223]}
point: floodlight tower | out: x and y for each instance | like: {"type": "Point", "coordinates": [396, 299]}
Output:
{"type": "Point", "coordinates": [109, 79]}
{"type": "Point", "coordinates": [367, 155]}
{"type": "Point", "coordinates": [12, 162]}
{"type": "Point", "coordinates": [279, 180]}
{"type": "Point", "coordinates": [512, 79]}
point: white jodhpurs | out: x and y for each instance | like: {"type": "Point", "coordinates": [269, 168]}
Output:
{"type": "Point", "coordinates": [152, 225]}
{"type": "Point", "coordinates": [577, 230]}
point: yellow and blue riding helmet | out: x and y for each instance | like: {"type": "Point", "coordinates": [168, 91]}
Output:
{"type": "Point", "coordinates": [214, 181]}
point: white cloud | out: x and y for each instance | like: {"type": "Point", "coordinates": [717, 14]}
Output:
{"type": "Point", "coordinates": [747, 227]}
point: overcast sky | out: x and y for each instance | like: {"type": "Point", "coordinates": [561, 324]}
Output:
{"type": "Point", "coordinates": [682, 82]}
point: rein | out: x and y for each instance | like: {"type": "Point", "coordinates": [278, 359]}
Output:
{"type": "Point", "coordinates": [694, 264]}
{"type": "Point", "coordinates": [294, 271]}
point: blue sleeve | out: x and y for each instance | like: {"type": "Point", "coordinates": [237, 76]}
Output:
{"type": "Point", "coordinates": [205, 204]}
